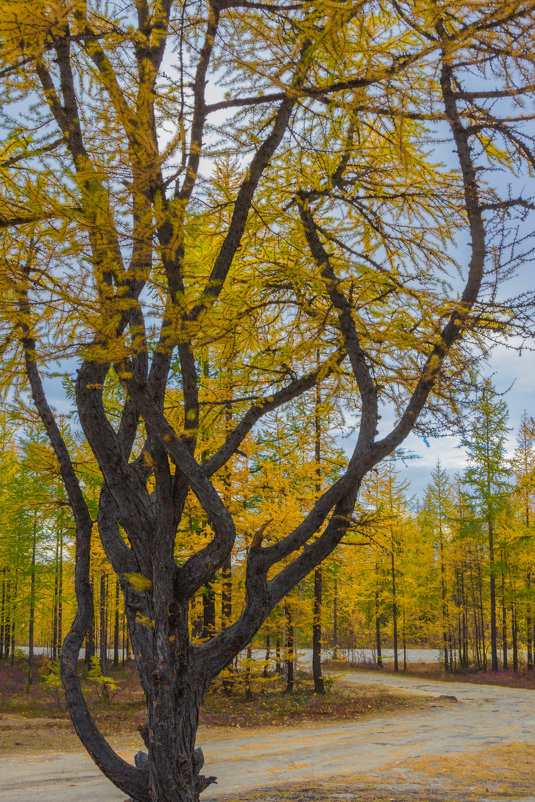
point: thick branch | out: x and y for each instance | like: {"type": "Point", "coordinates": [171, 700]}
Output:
{"type": "Point", "coordinates": [357, 357]}
{"type": "Point", "coordinates": [128, 778]}
{"type": "Point", "coordinates": [458, 321]}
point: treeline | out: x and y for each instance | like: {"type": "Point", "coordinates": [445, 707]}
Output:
{"type": "Point", "coordinates": [454, 571]}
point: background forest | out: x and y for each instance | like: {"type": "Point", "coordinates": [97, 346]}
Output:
{"type": "Point", "coordinates": [453, 570]}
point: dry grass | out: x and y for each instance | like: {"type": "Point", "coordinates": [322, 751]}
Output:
{"type": "Point", "coordinates": [499, 774]}
{"type": "Point", "coordinates": [34, 719]}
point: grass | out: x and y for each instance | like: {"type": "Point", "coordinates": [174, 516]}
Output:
{"type": "Point", "coordinates": [37, 716]}
{"type": "Point", "coordinates": [498, 774]}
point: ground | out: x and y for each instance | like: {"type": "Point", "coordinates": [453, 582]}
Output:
{"type": "Point", "coordinates": [372, 739]}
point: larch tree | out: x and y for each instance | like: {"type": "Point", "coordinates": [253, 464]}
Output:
{"type": "Point", "coordinates": [487, 482]}
{"type": "Point", "coordinates": [437, 515]}
{"type": "Point", "coordinates": [183, 177]}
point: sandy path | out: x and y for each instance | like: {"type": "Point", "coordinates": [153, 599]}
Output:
{"type": "Point", "coordinates": [485, 716]}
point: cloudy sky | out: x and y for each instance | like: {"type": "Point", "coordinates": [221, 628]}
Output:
{"type": "Point", "coordinates": [513, 375]}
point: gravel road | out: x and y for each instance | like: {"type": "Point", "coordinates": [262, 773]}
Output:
{"type": "Point", "coordinates": [483, 716]}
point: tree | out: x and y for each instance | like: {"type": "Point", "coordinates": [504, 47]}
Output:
{"type": "Point", "coordinates": [488, 479]}
{"type": "Point", "coordinates": [186, 182]}
{"type": "Point", "coordinates": [524, 470]}
{"type": "Point", "coordinates": [438, 512]}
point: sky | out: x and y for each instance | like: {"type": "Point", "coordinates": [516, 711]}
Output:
{"type": "Point", "coordinates": [511, 374]}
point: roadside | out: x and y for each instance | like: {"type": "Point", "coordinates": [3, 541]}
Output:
{"type": "Point", "coordinates": [480, 747]}
{"type": "Point", "coordinates": [35, 720]}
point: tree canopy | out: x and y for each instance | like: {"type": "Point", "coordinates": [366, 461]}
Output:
{"type": "Point", "coordinates": [209, 209]}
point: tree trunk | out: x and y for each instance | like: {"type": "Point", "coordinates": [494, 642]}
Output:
{"type": "Point", "coordinates": [13, 619]}
{"type": "Point", "coordinates": [335, 620]}
{"type": "Point", "coordinates": [482, 618]}
{"type": "Point", "coordinates": [319, 686]}
{"type": "Point", "coordinates": [31, 622]}
{"type": "Point", "coordinates": [377, 619]}
{"type": "Point", "coordinates": [528, 623]}
{"type": "Point", "coordinates": [174, 695]}
{"type": "Point", "coordinates": [289, 648]}
{"type": "Point", "coordinates": [116, 625]}
{"type": "Point", "coordinates": [248, 661]}
{"type": "Point", "coordinates": [504, 625]}
{"type": "Point", "coordinates": [103, 650]}
{"type": "Point", "coordinates": [493, 627]}
{"type": "Point", "coordinates": [445, 617]}
{"type": "Point", "coordinates": [514, 632]}
{"type": "Point", "coordinates": [278, 666]}
{"type": "Point", "coordinates": [265, 670]}
{"type": "Point", "coordinates": [60, 593]}
{"type": "Point", "coordinates": [90, 646]}
{"type": "Point", "coordinates": [394, 605]}
{"type": "Point", "coordinates": [55, 613]}
{"type": "Point", "coordinates": [404, 641]}
{"type": "Point", "coordinates": [3, 613]}
{"type": "Point", "coordinates": [208, 611]}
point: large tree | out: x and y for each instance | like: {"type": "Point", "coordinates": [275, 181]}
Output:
{"type": "Point", "coordinates": [193, 186]}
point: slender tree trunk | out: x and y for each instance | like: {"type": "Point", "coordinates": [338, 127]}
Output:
{"type": "Point", "coordinates": [13, 619]}
{"type": "Point", "coordinates": [504, 624]}
{"type": "Point", "coordinates": [319, 686]}
{"type": "Point", "coordinates": [404, 641]}
{"type": "Point", "coordinates": [265, 671]}
{"type": "Point", "coordinates": [55, 640]}
{"type": "Point", "coordinates": [247, 683]}
{"type": "Point", "coordinates": [394, 603]}
{"type": "Point", "coordinates": [514, 632]}
{"type": "Point", "coordinates": [226, 612]}
{"type": "Point", "coordinates": [478, 661]}
{"type": "Point", "coordinates": [464, 601]}
{"type": "Point", "coordinates": [208, 611]}
{"type": "Point", "coordinates": [103, 623]}
{"type": "Point", "coordinates": [116, 625]}
{"type": "Point", "coordinates": [31, 621]}
{"type": "Point", "coordinates": [7, 620]}
{"type": "Point", "coordinates": [3, 614]}
{"type": "Point", "coordinates": [482, 618]}
{"type": "Point", "coordinates": [335, 620]}
{"type": "Point", "coordinates": [123, 640]}
{"type": "Point", "coordinates": [528, 622]}
{"type": "Point", "coordinates": [493, 626]}
{"type": "Point", "coordinates": [278, 666]}
{"type": "Point", "coordinates": [60, 593]}
{"type": "Point", "coordinates": [445, 617]}
{"type": "Point", "coordinates": [90, 645]}
{"type": "Point", "coordinates": [289, 648]}
{"type": "Point", "coordinates": [377, 619]}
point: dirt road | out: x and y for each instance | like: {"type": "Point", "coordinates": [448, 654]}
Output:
{"type": "Point", "coordinates": [485, 720]}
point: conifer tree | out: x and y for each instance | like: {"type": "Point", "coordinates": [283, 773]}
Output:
{"type": "Point", "coordinates": [487, 479]}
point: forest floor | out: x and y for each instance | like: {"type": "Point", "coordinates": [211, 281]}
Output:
{"type": "Point", "coordinates": [35, 719]}
{"type": "Point", "coordinates": [428, 746]}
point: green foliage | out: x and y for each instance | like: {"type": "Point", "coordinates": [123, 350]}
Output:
{"type": "Point", "coordinates": [103, 684]}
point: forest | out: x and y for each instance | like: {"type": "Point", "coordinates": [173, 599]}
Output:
{"type": "Point", "coordinates": [453, 570]}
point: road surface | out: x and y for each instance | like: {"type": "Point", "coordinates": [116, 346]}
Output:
{"type": "Point", "coordinates": [484, 716]}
